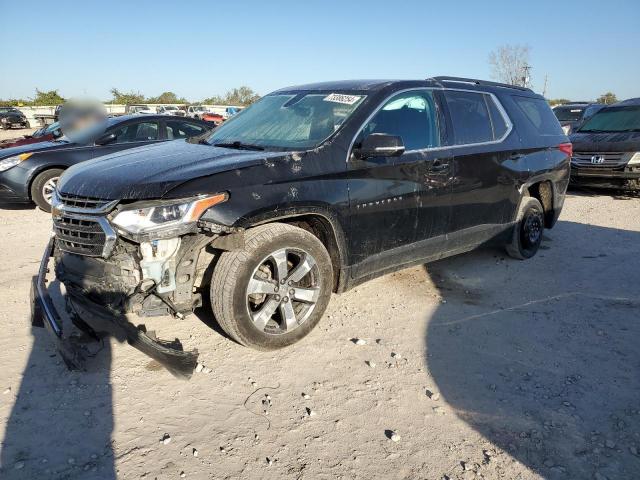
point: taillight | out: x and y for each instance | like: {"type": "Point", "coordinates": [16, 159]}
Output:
{"type": "Point", "coordinates": [566, 148]}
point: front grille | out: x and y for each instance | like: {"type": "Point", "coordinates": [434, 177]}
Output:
{"type": "Point", "coordinates": [84, 203]}
{"type": "Point", "coordinates": [79, 235]}
{"type": "Point", "coordinates": [609, 159]}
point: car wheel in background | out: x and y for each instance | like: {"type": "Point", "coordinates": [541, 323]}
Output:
{"type": "Point", "coordinates": [43, 186]}
{"type": "Point", "coordinates": [528, 230]}
{"type": "Point", "coordinates": [274, 291]}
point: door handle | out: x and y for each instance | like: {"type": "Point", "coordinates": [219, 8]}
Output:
{"type": "Point", "coordinates": [439, 166]}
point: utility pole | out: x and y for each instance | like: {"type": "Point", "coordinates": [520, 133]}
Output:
{"type": "Point", "coordinates": [544, 90]}
{"type": "Point", "coordinates": [525, 75]}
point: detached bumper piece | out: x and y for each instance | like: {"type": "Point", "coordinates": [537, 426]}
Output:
{"type": "Point", "coordinates": [94, 319]}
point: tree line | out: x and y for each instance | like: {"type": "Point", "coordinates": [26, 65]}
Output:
{"type": "Point", "coordinates": [241, 96]}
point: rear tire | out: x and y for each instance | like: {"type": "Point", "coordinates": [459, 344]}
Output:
{"type": "Point", "coordinates": [528, 230]}
{"type": "Point", "coordinates": [42, 188]}
{"type": "Point", "coordinates": [273, 292]}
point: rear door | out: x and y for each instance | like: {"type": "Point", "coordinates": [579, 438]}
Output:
{"type": "Point", "coordinates": [485, 163]}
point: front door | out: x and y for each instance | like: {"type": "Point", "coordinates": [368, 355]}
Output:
{"type": "Point", "coordinates": [394, 200]}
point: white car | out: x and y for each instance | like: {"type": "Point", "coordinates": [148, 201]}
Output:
{"type": "Point", "coordinates": [170, 110]}
{"type": "Point", "coordinates": [140, 109]}
{"type": "Point", "coordinates": [196, 111]}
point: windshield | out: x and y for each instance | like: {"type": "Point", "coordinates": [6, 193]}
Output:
{"type": "Point", "coordinates": [170, 108]}
{"type": "Point", "coordinates": [568, 114]}
{"type": "Point", "coordinates": [288, 122]}
{"type": "Point", "coordinates": [199, 109]}
{"type": "Point", "coordinates": [614, 119]}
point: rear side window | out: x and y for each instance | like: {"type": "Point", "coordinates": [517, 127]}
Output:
{"type": "Point", "coordinates": [539, 114]}
{"type": "Point", "coordinates": [137, 132]}
{"type": "Point", "coordinates": [475, 117]}
{"type": "Point", "coordinates": [179, 129]}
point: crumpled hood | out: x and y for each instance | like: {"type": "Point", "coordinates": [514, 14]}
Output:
{"type": "Point", "coordinates": [153, 170]}
{"type": "Point", "coordinates": [606, 142]}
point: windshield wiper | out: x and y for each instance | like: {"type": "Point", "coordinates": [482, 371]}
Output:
{"type": "Point", "coordinates": [239, 146]}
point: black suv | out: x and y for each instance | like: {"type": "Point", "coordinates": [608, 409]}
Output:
{"type": "Point", "coordinates": [607, 148]}
{"type": "Point", "coordinates": [311, 190]}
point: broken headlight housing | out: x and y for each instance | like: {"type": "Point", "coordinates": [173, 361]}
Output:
{"type": "Point", "coordinates": [163, 219]}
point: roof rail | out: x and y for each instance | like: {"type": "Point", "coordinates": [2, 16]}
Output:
{"type": "Point", "coordinates": [475, 81]}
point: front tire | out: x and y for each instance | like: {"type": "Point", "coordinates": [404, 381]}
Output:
{"type": "Point", "coordinates": [43, 186]}
{"type": "Point", "coordinates": [528, 230]}
{"type": "Point", "coordinates": [273, 292]}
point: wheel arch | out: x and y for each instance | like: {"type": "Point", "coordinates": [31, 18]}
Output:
{"type": "Point", "coordinates": [41, 169]}
{"type": "Point", "coordinates": [543, 190]}
{"type": "Point", "coordinates": [327, 229]}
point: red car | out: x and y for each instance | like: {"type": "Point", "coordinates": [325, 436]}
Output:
{"type": "Point", "coordinates": [50, 132]}
{"type": "Point", "coordinates": [213, 118]}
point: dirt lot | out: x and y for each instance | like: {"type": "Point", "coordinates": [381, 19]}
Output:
{"type": "Point", "coordinates": [483, 366]}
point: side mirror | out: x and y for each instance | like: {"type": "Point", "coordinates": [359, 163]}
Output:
{"type": "Point", "coordinates": [380, 145]}
{"type": "Point", "coordinates": [106, 139]}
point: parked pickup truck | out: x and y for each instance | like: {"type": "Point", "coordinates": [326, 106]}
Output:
{"type": "Point", "coordinates": [311, 190]}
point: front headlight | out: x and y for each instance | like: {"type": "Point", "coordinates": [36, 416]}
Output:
{"type": "Point", "coordinates": [9, 162]}
{"type": "Point", "coordinates": [635, 160]}
{"type": "Point", "coordinates": [170, 216]}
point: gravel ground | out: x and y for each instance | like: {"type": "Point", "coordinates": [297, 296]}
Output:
{"type": "Point", "coordinates": [477, 366]}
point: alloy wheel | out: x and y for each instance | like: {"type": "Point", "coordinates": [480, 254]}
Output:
{"type": "Point", "coordinates": [48, 188]}
{"type": "Point", "coordinates": [283, 291]}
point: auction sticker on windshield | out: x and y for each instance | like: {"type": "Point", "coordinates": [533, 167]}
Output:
{"type": "Point", "coordinates": [342, 98]}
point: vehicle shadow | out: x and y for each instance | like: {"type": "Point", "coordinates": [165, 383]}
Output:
{"type": "Point", "coordinates": [541, 357]}
{"type": "Point", "coordinates": [61, 422]}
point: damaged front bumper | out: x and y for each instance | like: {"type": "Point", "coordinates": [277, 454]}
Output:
{"type": "Point", "coordinates": [95, 320]}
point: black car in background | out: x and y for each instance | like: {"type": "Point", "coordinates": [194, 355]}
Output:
{"type": "Point", "coordinates": [12, 117]}
{"type": "Point", "coordinates": [29, 173]}
{"type": "Point", "coordinates": [311, 190]}
{"type": "Point", "coordinates": [571, 115]}
{"type": "Point", "coordinates": [606, 148]}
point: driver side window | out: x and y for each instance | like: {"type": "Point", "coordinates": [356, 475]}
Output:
{"type": "Point", "coordinates": [410, 115]}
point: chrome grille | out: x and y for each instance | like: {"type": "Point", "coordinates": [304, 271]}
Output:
{"type": "Point", "coordinates": [81, 226]}
{"type": "Point", "coordinates": [77, 202]}
{"type": "Point", "coordinates": [79, 235]}
{"type": "Point", "coordinates": [603, 159]}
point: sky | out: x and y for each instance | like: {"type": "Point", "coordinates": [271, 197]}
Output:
{"type": "Point", "coordinates": [198, 49]}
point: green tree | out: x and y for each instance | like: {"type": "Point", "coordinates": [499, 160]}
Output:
{"type": "Point", "coordinates": [126, 98]}
{"type": "Point", "coordinates": [47, 98]}
{"type": "Point", "coordinates": [166, 97]}
{"type": "Point", "coordinates": [558, 101]}
{"type": "Point", "coordinates": [607, 98]}
{"type": "Point", "coordinates": [14, 102]}
{"type": "Point", "coordinates": [236, 96]}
